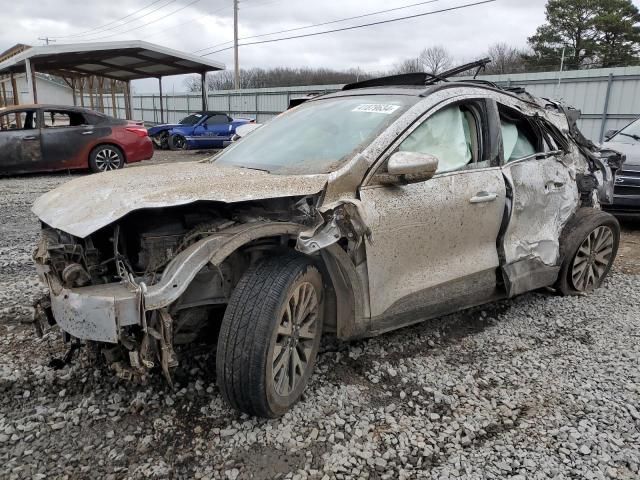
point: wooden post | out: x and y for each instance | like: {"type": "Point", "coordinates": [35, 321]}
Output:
{"type": "Point", "coordinates": [161, 105]}
{"type": "Point", "coordinates": [4, 104]}
{"type": "Point", "coordinates": [14, 89]}
{"type": "Point", "coordinates": [90, 80]}
{"type": "Point", "coordinates": [127, 99]}
{"type": "Point", "coordinates": [28, 72]}
{"type": "Point", "coordinates": [203, 84]}
{"type": "Point", "coordinates": [114, 105]}
{"type": "Point", "coordinates": [101, 93]}
{"type": "Point", "coordinates": [73, 91]}
{"type": "Point", "coordinates": [81, 91]}
{"type": "Point", "coordinates": [35, 84]}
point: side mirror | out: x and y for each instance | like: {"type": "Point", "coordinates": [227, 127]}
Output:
{"type": "Point", "coordinates": [409, 167]}
{"type": "Point", "coordinates": [609, 134]}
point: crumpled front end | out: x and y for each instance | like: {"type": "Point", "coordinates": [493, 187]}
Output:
{"type": "Point", "coordinates": [158, 278]}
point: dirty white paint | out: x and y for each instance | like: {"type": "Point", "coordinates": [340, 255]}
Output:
{"type": "Point", "coordinates": [82, 206]}
{"type": "Point", "coordinates": [545, 196]}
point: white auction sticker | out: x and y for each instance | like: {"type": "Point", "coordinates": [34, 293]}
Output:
{"type": "Point", "coordinates": [376, 108]}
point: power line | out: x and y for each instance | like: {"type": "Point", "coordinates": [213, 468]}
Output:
{"type": "Point", "coordinates": [459, 7]}
{"type": "Point", "coordinates": [148, 23]}
{"type": "Point", "coordinates": [198, 17]}
{"type": "Point", "coordinates": [320, 24]}
{"type": "Point", "coordinates": [96, 30]}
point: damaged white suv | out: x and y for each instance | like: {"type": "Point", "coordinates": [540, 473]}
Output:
{"type": "Point", "coordinates": [390, 202]}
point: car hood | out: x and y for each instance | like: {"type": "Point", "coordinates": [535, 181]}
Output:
{"type": "Point", "coordinates": [83, 206]}
{"type": "Point", "coordinates": [166, 126]}
{"type": "Point", "coordinates": [631, 150]}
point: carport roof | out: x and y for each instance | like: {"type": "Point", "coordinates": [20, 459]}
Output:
{"type": "Point", "coordinates": [125, 60]}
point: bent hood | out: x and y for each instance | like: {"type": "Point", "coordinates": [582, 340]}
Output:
{"type": "Point", "coordinates": [83, 206]}
{"type": "Point", "coordinates": [164, 126]}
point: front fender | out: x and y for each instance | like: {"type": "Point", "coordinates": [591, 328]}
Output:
{"type": "Point", "coordinates": [214, 249]}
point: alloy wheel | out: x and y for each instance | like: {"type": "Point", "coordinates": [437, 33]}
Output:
{"type": "Point", "coordinates": [108, 159]}
{"type": "Point", "coordinates": [295, 339]}
{"type": "Point", "coordinates": [592, 260]}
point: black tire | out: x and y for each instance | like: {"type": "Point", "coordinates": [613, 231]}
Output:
{"type": "Point", "coordinates": [251, 333]}
{"type": "Point", "coordinates": [106, 157]}
{"type": "Point", "coordinates": [586, 224]}
{"type": "Point", "coordinates": [177, 142]}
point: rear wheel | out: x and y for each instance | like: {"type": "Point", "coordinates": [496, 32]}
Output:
{"type": "Point", "coordinates": [270, 335]}
{"type": "Point", "coordinates": [177, 142]}
{"type": "Point", "coordinates": [106, 157]}
{"type": "Point", "coordinates": [590, 243]}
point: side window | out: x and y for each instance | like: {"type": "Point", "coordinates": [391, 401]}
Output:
{"type": "Point", "coordinates": [59, 118]}
{"type": "Point", "coordinates": [217, 120]}
{"type": "Point", "coordinates": [25, 120]}
{"type": "Point", "coordinates": [519, 139]}
{"type": "Point", "coordinates": [452, 134]}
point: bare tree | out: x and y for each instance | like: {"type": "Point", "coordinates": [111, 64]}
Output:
{"type": "Point", "coordinates": [410, 65]}
{"type": "Point", "coordinates": [435, 59]}
{"type": "Point", "coordinates": [505, 59]}
{"type": "Point", "coordinates": [277, 77]}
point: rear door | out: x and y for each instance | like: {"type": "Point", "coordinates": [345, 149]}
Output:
{"type": "Point", "coordinates": [20, 149]}
{"type": "Point", "coordinates": [544, 196]}
{"type": "Point", "coordinates": [66, 139]}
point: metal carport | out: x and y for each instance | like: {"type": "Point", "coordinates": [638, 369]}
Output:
{"type": "Point", "coordinates": [117, 61]}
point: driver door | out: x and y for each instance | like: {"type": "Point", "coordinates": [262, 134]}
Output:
{"type": "Point", "coordinates": [434, 242]}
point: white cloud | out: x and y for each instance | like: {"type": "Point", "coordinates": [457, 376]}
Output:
{"type": "Point", "coordinates": [466, 33]}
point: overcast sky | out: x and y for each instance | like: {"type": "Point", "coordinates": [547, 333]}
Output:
{"type": "Point", "coordinates": [190, 25]}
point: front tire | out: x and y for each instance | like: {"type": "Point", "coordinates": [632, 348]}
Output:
{"type": "Point", "coordinates": [270, 336]}
{"type": "Point", "coordinates": [177, 142]}
{"type": "Point", "coordinates": [106, 157]}
{"type": "Point", "coordinates": [589, 246]}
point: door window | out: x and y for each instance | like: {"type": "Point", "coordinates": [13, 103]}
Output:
{"type": "Point", "coordinates": [217, 120]}
{"type": "Point", "coordinates": [61, 118]}
{"type": "Point", "coordinates": [519, 139]}
{"type": "Point", "coordinates": [25, 120]}
{"type": "Point", "coordinates": [451, 135]}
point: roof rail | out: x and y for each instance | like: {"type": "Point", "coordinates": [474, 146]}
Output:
{"type": "Point", "coordinates": [418, 79]}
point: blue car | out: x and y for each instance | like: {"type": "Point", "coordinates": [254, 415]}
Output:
{"type": "Point", "coordinates": [199, 130]}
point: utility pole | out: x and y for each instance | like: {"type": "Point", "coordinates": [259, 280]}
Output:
{"type": "Point", "coordinates": [236, 76]}
{"type": "Point", "coordinates": [46, 40]}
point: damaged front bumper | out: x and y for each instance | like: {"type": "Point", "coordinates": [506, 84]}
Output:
{"type": "Point", "coordinates": [95, 313]}
{"type": "Point", "coordinates": [102, 312]}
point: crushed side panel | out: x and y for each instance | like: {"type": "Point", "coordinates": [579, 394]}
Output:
{"type": "Point", "coordinates": [545, 195]}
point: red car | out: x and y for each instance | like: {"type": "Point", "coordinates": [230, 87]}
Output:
{"type": "Point", "coordinates": [45, 138]}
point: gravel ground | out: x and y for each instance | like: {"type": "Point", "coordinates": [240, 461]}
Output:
{"type": "Point", "coordinates": [537, 387]}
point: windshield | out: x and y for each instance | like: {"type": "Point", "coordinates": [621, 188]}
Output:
{"type": "Point", "coordinates": [629, 134]}
{"type": "Point", "coordinates": [191, 119]}
{"type": "Point", "coordinates": [318, 136]}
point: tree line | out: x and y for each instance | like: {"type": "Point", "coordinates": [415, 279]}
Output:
{"type": "Point", "coordinates": [579, 33]}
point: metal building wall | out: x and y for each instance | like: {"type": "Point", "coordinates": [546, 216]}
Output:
{"type": "Point", "coordinates": [608, 98]}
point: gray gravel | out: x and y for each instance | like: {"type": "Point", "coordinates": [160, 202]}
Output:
{"type": "Point", "coordinates": [537, 387]}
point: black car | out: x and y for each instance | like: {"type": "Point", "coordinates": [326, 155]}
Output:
{"type": "Point", "coordinates": [626, 200]}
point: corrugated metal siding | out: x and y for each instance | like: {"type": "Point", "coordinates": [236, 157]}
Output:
{"type": "Point", "coordinates": [583, 89]}
{"type": "Point", "coordinates": [587, 91]}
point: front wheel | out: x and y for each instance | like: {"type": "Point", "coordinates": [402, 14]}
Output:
{"type": "Point", "coordinates": [106, 157]}
{"type": "Point", "coordinates": [590, 244]}
{"type": "Point", "coordinates": [177, 142]}
{"type": "Point", "coordinates": [270, 336]}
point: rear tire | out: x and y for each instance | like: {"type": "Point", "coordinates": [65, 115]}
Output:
{"type": "Point", "coordinates": [270, 335]}
{"type": "Point", "coordinates": [589, 244]}
{"type": "Point", "coordinates": [104, 158]}
{"type": "Point", "coordinates": [177, 142]}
